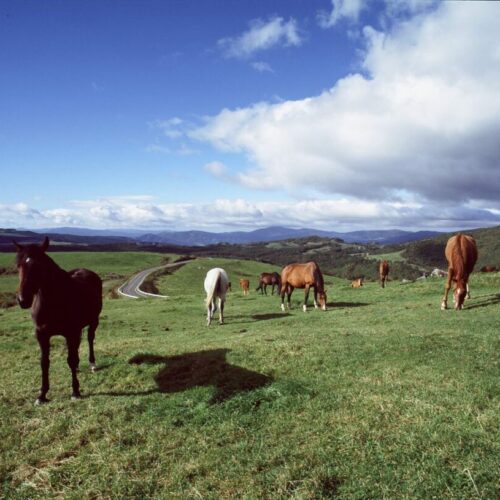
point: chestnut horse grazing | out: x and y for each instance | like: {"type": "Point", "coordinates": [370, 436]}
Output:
{"type": "Point", "coordinates": [216, 285]}
{"type": "Point", "coordinates": [461, 254]}
{"type": "Point", "coordinates": [357, 283]}
{"type": "Point", "coordinates": [303, 276]}
{"type": "Point", "coordinates": [244, 285]}
{"type": "Point", "coordinates": [268, 279]}
{"type": "Point", "coordinates": [383, 271]}
{"type": "Point", "coordinates": [62, 303]}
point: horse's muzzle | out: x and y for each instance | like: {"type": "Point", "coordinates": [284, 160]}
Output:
{"type": "Point", "coordinates": [23, 303]}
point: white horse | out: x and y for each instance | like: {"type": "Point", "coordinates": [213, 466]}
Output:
{"type": "Point", "coordinates": [216, 285]}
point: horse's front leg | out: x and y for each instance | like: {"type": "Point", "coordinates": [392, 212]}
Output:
{"type": "Point", "coordinates": [468, 290]}
{"type": "Point", "coordinates": [73, 342]}
{"type": "Point", "coordinates": [44, 343]}
{"type": "Point", "coordinates": [444, 302]}
{"type": "Point", "coordinates": [90, 338]}
{"type": "Point", "coordinates": [315, 296]}
{"type": "Point", "coordinates": [306, 297]}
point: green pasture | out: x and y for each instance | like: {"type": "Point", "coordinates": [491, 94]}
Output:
{"type": "Point", "coordinates": [390, 257]}
{"type": "Point", "coordinates": [381, 396]}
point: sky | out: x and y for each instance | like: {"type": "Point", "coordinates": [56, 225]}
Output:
{"type": "Point", "coordinates": [227, 115]}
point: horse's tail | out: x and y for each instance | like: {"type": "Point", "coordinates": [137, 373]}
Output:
{"type": "Point", "coordinates": [215, 286]}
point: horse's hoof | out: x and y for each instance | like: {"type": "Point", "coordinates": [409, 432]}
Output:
{"type": "Point", "coordinates": [76, 397]}
{"type": "Point", "coordinates": [304, 308]}
{"type": "Point", "coordinates": [93, 367]}
{"type": "Point", "coordinates": [41, 401]}
{"type": "Point", "coordinates": [443, 307]}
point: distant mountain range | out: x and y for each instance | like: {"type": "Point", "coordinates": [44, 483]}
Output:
{"type": "Point", "coordinates": [203, 238]}
{"type": "Point", "coordinates": [196, 238]}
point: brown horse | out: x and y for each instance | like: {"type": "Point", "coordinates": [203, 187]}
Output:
{"type": "Point", "coordinates": [461, 254]}
{"type": "Point", "coordinates": [383, 271]}
{"type": "Point", "coordinates": [244, 285]}
{"type": "Point", "coordinates": [357, 283]}
{"type": "Point", "coordinates": [303, 276]}
{"type": "Point", "coordinates": [488, 269]}
{"type": "Point", "coordinates": [62, 303]}
{"type": "Point", "coordinates": [266, 279]}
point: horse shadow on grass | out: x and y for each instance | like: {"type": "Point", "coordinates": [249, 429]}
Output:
{"type": "Point", "coordinates": [196, 369]}
{"type": "Point", "coordinates": [264, 317]}
{"type": "Point", "coordinates": [484, 301]}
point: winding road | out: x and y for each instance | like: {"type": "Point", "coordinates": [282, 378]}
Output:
{"type": "Point", "coordinates": [132, 287]}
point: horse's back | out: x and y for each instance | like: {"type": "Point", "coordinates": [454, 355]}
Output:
{"type": "Point", "coordinates": [461, 252]}
{"type": "Point", "coordinates": [215, 276]}
{"type": "Point", "coordinates": [300, 274]}
{"type": "Point", "coordinates": [89, 287]}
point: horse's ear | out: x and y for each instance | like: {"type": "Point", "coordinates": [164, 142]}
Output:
{"type": "Point", "coordinates": [17, 245]}
{"type": "Point", "coordinates": [45, 244]}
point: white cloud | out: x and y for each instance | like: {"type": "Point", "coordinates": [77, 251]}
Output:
{"type": "Point", "coordinates": [262, 67]}
{"type": "Point", "coordinates": [425, 121]}
{"type": "Point", "coordinates": [341, 9]}
{"type": "Point", "coordinates": [216, 168]}
{"type": "Point", "coordinates": [171, 128]}
{"type": "Point", "coordinates": [341, 214]}
{"type": "Point", "coordinates": [261, 36]}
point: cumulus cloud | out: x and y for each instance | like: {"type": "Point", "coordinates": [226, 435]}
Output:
{"type": "Point", "coordinates": [340, 214]}
{"type": "Point", "coordinates": [422, 121]}
{"type": "Point", "coordinates": [261, 35]}
{"type": "Point", "coordinates": [348, 9]}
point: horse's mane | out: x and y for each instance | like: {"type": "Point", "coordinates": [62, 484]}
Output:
{"type": "Point", "coordinates": [319, 276]}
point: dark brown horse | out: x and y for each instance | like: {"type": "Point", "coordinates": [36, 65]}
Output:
{"type": "Point", "coordinates": [461, 254]}
{"type": "Point", "coordinates": [62, 303]}
{"type": "Point", "coordinates": [266, 279]}
{"type": "Point", "coordinates": [383, 271]}
{"type": "Point", "coordinates": [303, 276]}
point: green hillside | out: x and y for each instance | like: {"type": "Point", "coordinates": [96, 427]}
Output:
{"type": "Point", "coordinates": [430, 253]}
{"type": "Point", "coordinates": [381, 396]}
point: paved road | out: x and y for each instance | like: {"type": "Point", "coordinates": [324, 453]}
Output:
{"type": "Point", "coordinates": [131, 288]}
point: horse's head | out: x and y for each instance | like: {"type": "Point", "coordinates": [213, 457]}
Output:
{"type": "Point", "coordinates": [322, 300]}
{"type": "Point", "coordinates": [30, 261]}
{"type": "Point", "coordinates": [459, 294]}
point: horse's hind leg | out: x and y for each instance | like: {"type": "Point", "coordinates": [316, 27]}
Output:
{"type": "Point", "coordinates": [73, 343]}
{"type": "Point", "coordinates": [90, 338]}
{"type": "Point", "coordinates": [221, 311]}
{"type": "Point", "coordinates": [44, 343]}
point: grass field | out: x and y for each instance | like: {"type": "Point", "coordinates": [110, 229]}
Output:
{"type": "Point", "coordinates": [381, 396]}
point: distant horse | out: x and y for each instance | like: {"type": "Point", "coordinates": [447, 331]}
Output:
{"type": "Point", "coordinates": [303, 276]}
{"type": "Point", "coordinates": [383, 271]}
{"type": "Point", "coordinates": [357, 283]}
{"type": "Point", "coordinates": [244, 285]}
{"type": "Point", "coordinates": [216, 286]}
{"type": "Point", "coordinates": [62, 303]}
{"type": "Point", "coordinates": [488, 269]}
{"type": "Point", "coordinates": [461, 254]}
{"type": "Point", "coordinates": [266, 279]}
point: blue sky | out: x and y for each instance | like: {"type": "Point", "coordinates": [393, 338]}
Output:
{"type": "Point", "coordinates": [227, 115]}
